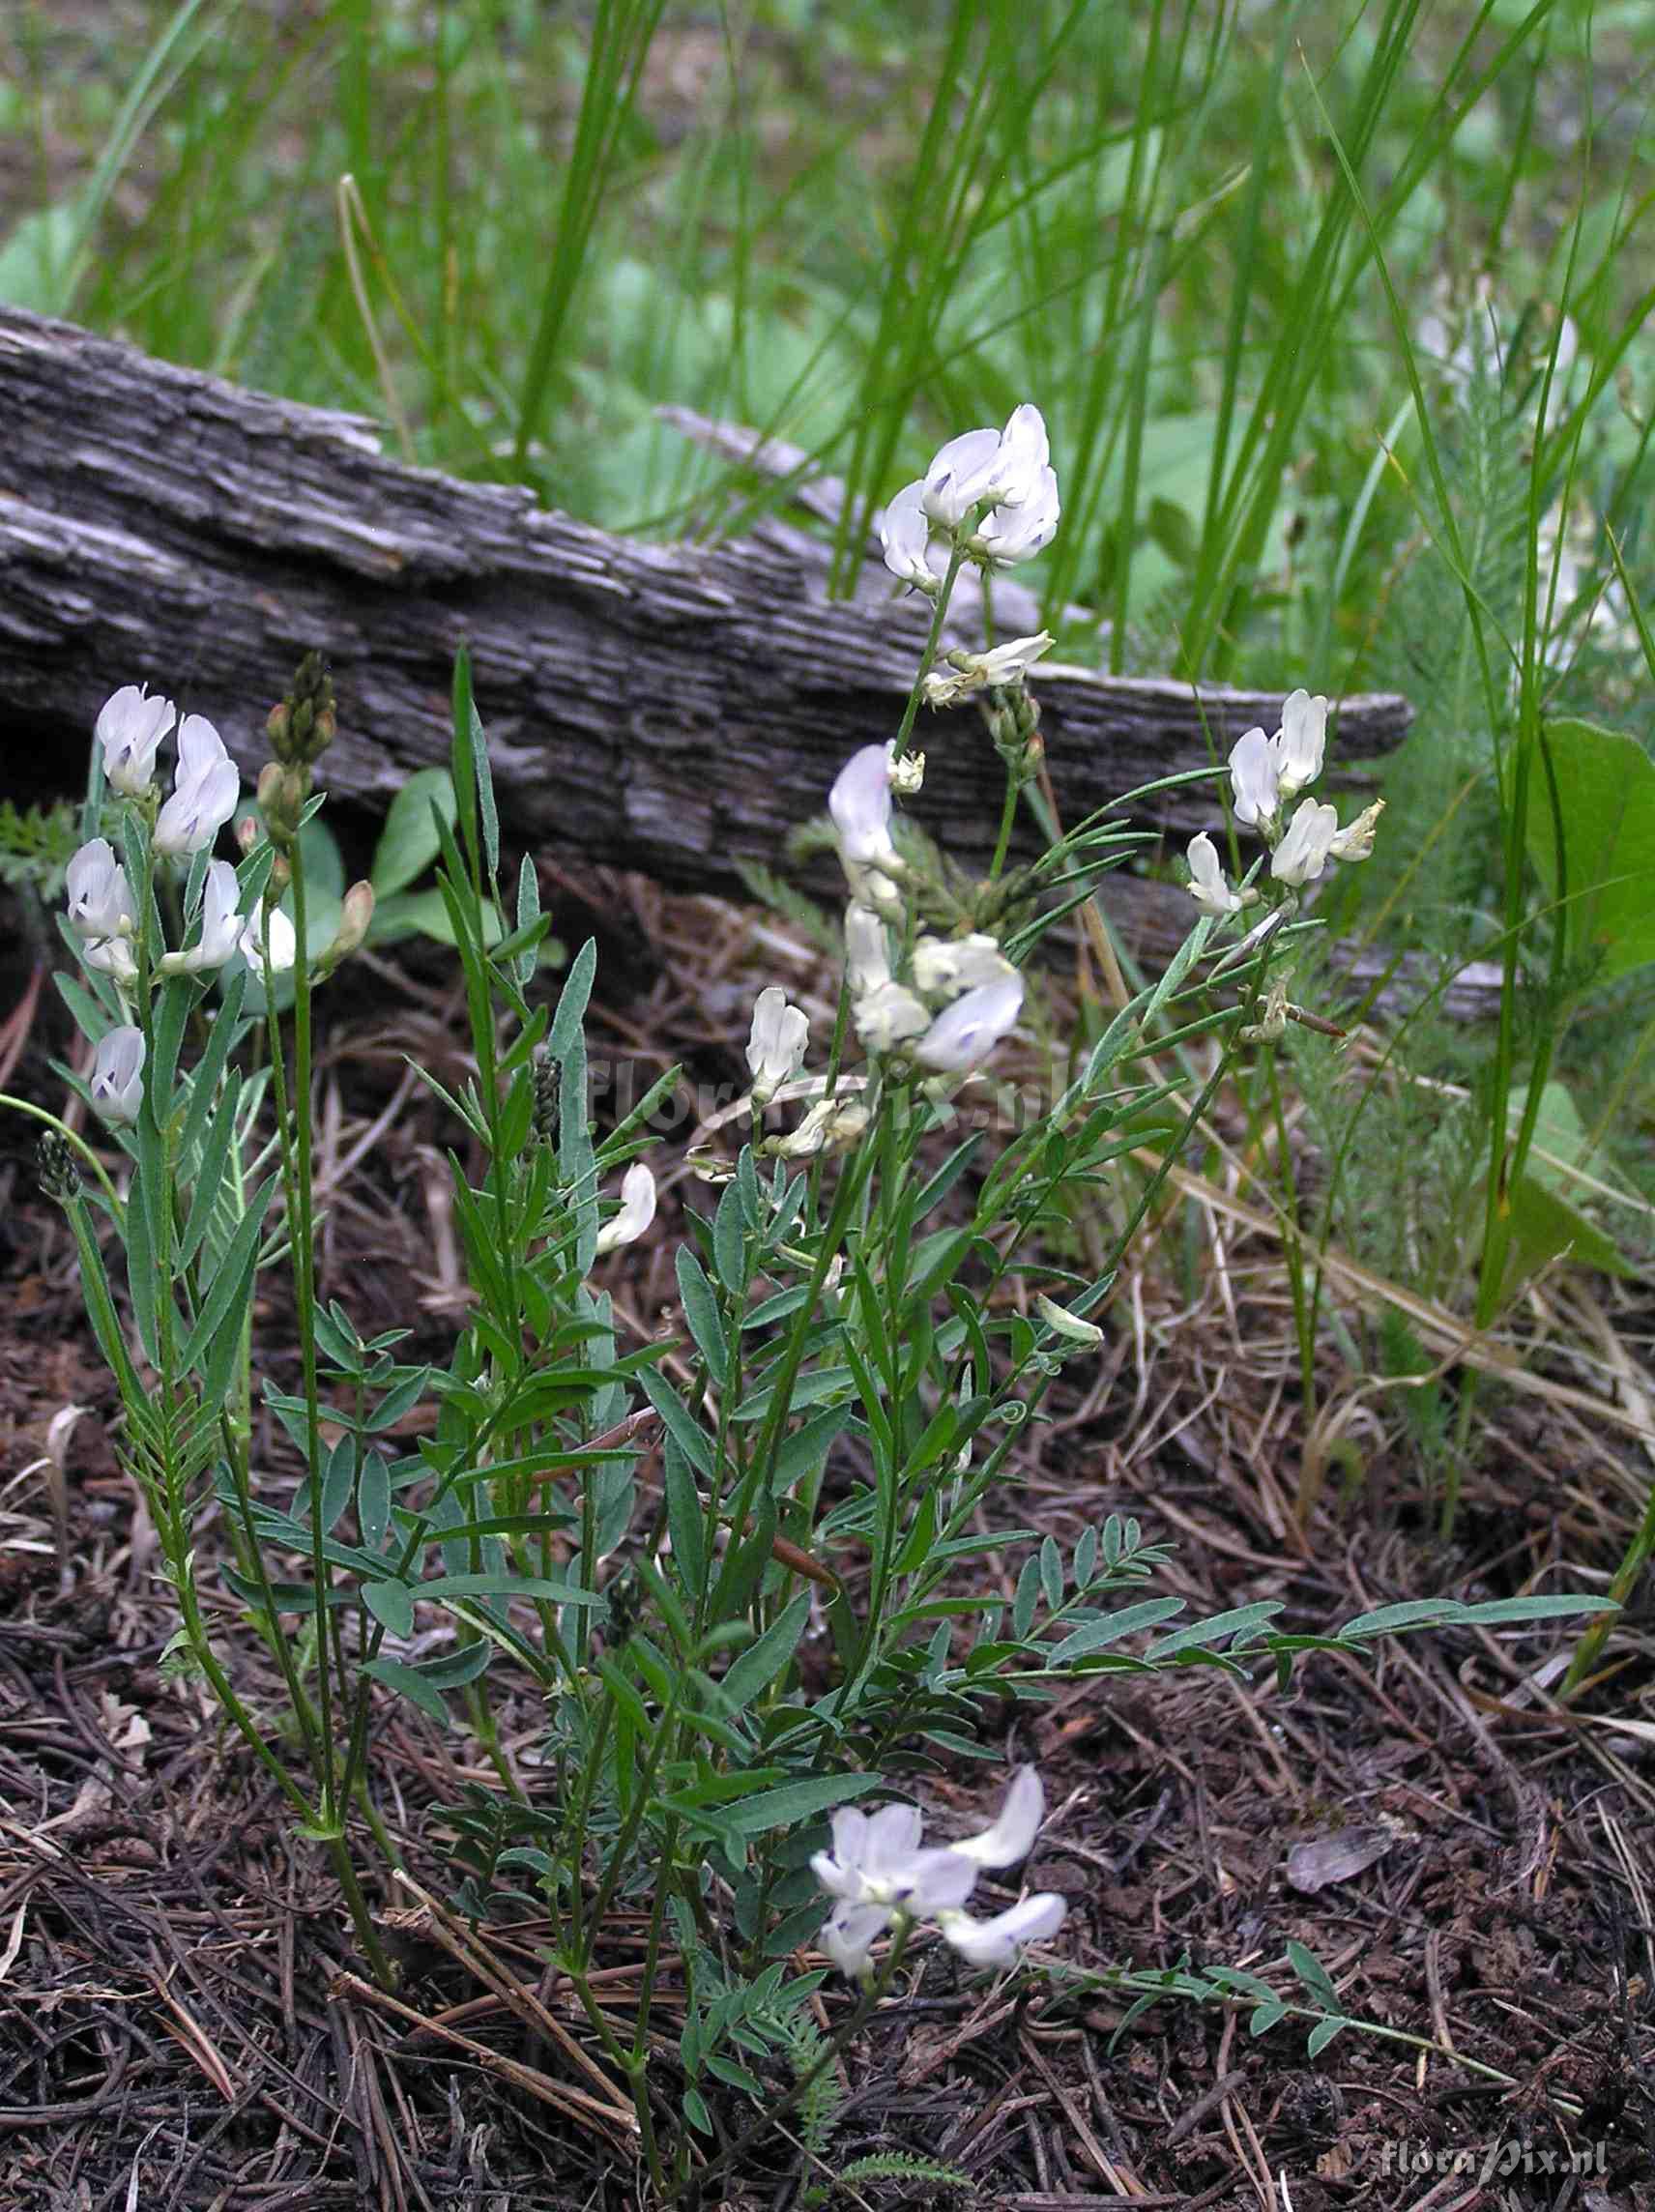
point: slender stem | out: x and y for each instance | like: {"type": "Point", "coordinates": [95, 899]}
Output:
{"type": "Point", "coordinates": [304, 1299]}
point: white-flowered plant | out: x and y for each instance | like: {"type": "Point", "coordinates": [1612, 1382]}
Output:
{"type": "Point", "coordinates": [713, 1538]}
{"type": "Point", "coordinates": [1266, 772]}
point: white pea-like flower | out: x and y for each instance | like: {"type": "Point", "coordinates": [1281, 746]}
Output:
{"type": "Point", "coordinates": [1306, 844]}
{"type": "Point", "coordinates": [221, 925]}
{"type": "Point", "coordinates": [966, 673]}
{"type": "Point", "coordinates": [1012, 533]}
{"type": "Point", "coordinates": [116, 1084]}
{"type": "Point", "coordinates": [206, 785]}
{"type": "Point", "coordinates": [968, 1032]}
{"type": "Point", "coordinates": [832, 1125]}
{"type": "Point", "coordinates": [283, 943]}
{"type": "Point", "coordinates": [130, 727]}
{"type": "Point", "coordinates": [1356, 843]}
{"type": "Point", "coordinates": [1007, 470]}
{"type": "Point", "coordinates": [860, 805]}
{"type": "Point", "coordinates": [100, 898]}
{"type": "Point", "coordinates": [944, 966]}
{"type": "Point", "coordinates": [997, 1942]}
{"type": "Point", "coordinates": [637, 1210]}
{"type": "Point", "coordinates": [888, 1016]}
{"type": "Point", "coordinates": [1206, 885]}
{"type": "Point", "coordinates": [879, 1871]}
{"type": "Point", "coordinates": [1254, 777]}
{"type": "Point", "coordinates": [1300, 742]}
{"type": "Point", "coordinates": [963, 474]}
{"type": "Point", "coordinates": [867, 959]}
{"type": "Point", "coordinates": [777, 1044]}
{"type": "Point", "coordinates": [111, 956]}
{"type": "Point", "coordinates": [905, 535]}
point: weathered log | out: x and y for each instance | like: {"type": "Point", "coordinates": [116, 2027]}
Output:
{"type": "Point", "coordinates": [663, 707]}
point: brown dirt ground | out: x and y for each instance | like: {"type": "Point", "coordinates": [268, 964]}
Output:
{"type": "Point", "coordinates": [179, 2021]}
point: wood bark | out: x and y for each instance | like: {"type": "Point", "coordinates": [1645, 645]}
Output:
{"type": "Point", "coordinates": [665, 708]}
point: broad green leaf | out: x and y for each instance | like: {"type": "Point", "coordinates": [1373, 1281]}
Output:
{"type": "Point", "coordinates": [408, 843]}
{"type": "Point", "coordinates": [1606, 803]}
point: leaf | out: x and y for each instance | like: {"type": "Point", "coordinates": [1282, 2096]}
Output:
{"type": "Point", "coordinates": [1313, 1976]}
{"type": "Point", "coordinates": [783, 1807]}
{"type": "Point", "coordinates": [761, 1662]}
{"type": "Point", "coordinates": [408, 843]}
{"type": "Point", "coordinates": [392, 1605]}
{"type": "Point", "coordinates": [1096, 1635]}
{"type": "Point", "coordinates": [701, 1311]}
{"type": "Point", "coordinates": [1606, 808]}
{"type": "Point", "coordinates": [407, 1681]}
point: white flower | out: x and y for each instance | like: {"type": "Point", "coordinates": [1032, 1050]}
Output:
{"type": "Point", "coordinates": [1356, 843]}
{"type": "Point", "coordinates": [1010, 468]}
{"type": "Point", "coordinates": [1253, 773]}
{"type": "Point", "coordinates": [905, 533]}
{"type": "Point", "coordinates": [879, 1871]}
{"type": "Point", "coordinates": [221, 925]}
{"type": "Point", "coordinates": [1025, 456]}
{"type": "Point", "coordinates": [131, 726]}
{"type": "Point", "coordinates": [117, 1081]}
{"type": "Point", "coordinates": [966, 672]}
{"type": "Point", "coordinates": [637, 1210]}
{"type": "Point", "coordinates": [100, 898]}
{"type": "Point", "coordinates": [963, 474]}
{"type": "Point", "coordinates": [907, 775]}
{"type": "Point", "coordinates": [1206, 885]}
{"type": "Point", "coordinates": [849, 1934]}
{"type": "Point", "coordinates": [1018, 532]}
{"type": "Point", "coordinates": [888, 1016]}
{"type": "Point", "coordinates": [1011, 1836]}
{"type": "Point", "coordinates": [943, 966]}
{"type": "Point", "coordinates": [859, 803]}
{"type": "Point", "coordinates": [205, 787]}
{"type": "Point", "coordinates": [112, 956]}
{"type": "Point", "coordinates": [876, 1859]}
{"type": "Point", "coordinates": [830, 1126]}
{"type": "Point", "coordinates": [283, 943]}
{"type": "Point", "coordinates": [1302, 854]}
{"type": "Point", "coordinates": [778, 1043]}
{"type": "Point", "coordinates": [996, 1943]}
{"type": "Point", "coordinates": [973, 1025]}
{"type": "Point", "coordinates": [867, 961]}
{"type": "Point", "coordinates": [1301, 741]}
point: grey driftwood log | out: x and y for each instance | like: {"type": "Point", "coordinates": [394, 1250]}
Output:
{"type": "Point", "coordinates": [666, 708]}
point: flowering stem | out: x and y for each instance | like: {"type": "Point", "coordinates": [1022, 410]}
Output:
{"type": "Point", "coordinates": [69, 1137]}
{"type": "Point", "coordinates": [301, 1197]}
{"type": "Point", "coordinates": [938, 615]}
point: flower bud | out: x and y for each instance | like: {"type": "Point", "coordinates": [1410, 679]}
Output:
{"type": "Point", "coordinates": [57, 1167]}
{"type": "Point", "coordinates": [304, 726]}
{"type": "Point", "coordinates": [356, 913]}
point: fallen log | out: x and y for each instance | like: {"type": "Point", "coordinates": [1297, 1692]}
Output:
{"type": "Point", "coordinates": [665, 708]}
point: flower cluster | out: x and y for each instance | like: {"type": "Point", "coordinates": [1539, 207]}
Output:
{"type": "Point", "coordinates": [961, 995]}
{"type": "Point", "coordinates": [990, 494]}
{"type": "Point", "coordinates": [105, 913]}
{"type": "Point", "coordinates": [1266, 772]}
{"type": "Point", "coordinates": [878, 1871]}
